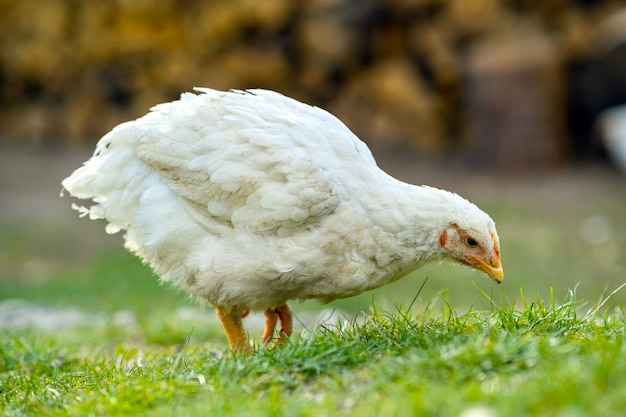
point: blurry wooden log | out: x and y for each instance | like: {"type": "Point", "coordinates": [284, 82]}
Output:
{"type": "Point", "coordinates": [389, 105]}
{"type": "Point", "coordinates": [515, 104]}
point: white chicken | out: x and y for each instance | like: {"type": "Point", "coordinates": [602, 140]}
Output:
{"type": "Point", "coordinates": [249, 199]}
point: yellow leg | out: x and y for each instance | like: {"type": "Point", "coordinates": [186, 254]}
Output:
{"type": "Point", "coordinates": [271, 318]}
{"type": "Point", "coordinates": [286, 322]}
{"type": "Point", "coordinates": [233, 327]}
{"type": "Point", "coordinates": [272, 315]}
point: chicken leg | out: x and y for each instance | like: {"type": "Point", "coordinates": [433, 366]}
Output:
{"type": "Point", "coordinates": [272, 316]}
{"type": "Point", "coordinates": [233, 327]}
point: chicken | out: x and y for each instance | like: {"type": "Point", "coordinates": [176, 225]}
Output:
{"type": "Point", "coordinates": [249, 199]}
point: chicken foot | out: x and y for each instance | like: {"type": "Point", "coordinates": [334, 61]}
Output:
{"type": "Point", "coordinates": [235, 332]}
{"type": "Point", "coordinates": [272, 316]}
{"type": "Point", "coordinates": [233, 326]}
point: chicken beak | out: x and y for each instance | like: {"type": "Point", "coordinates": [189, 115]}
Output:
{"type": "Point", "coordinates": [494, 270]}
{"type": "Point", "coordinates": [491, 267]}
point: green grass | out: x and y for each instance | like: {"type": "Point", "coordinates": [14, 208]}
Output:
{"type": "Point", "coordinates": [538, 360]}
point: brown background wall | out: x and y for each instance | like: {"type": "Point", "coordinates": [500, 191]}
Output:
{"type": "Point", "coordinates": [508, 78]}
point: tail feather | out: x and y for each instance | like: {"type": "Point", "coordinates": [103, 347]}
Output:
{"type": "Point", "coordinates": [110, 178]}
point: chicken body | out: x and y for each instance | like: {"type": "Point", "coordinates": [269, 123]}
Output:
{"type": "Point", "coordinates": [248, 199]}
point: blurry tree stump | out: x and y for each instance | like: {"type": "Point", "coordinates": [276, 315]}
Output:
{"type": "Point", "coordinates": [515, 105]}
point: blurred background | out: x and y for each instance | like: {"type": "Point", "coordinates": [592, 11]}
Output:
{"type": "Point", "coordinates": [515, 104]}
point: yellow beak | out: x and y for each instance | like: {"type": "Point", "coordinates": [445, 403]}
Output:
{"type": "Point", "coordinates": [493, 268]}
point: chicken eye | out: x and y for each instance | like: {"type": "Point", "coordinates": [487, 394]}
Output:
{"type": "Point", "coordinates": [470, 241]}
